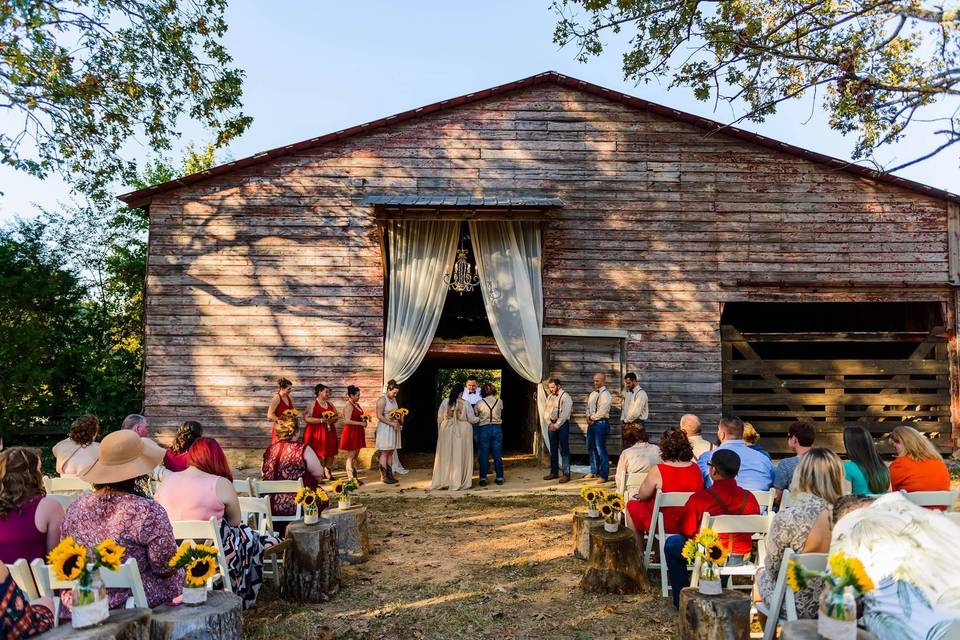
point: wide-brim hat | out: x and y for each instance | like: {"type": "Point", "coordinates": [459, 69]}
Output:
{"type": "Point", "coordinates": [124, 455]}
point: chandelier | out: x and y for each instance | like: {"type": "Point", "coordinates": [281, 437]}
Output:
{"type": "Point", "coordinates": [462, 279]}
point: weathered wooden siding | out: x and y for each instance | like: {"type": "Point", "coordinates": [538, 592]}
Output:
{"type": "Point", "coordinates": [276, 269]}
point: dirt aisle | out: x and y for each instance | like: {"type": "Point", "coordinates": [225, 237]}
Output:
{"type": "Point", "coordinates": [466, 567]}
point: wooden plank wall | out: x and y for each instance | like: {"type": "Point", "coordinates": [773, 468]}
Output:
{"type": "Point", "coordinates": [276, 269]}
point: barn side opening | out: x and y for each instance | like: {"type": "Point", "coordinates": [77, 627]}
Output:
{"type": "Point", "coordinates": [876, 364]}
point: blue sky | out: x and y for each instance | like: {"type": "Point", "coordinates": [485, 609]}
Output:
{"type": "Point", "coordinates": [317, 67]}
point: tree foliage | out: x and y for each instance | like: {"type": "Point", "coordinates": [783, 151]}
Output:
{"type": "Point", "coordinates": [876, 65]}
{"type": "Point", "coordinates": [80, 78]}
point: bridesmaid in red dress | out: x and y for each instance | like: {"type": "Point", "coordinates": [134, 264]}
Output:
{"type": "Point", "coordinates": [321, 432]}
{"type": "Point", "coordinates": [352, 438]}
{"type": "Point", "coordinates": [281, 401]}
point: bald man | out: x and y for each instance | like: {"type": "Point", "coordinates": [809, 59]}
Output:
{"type": "Point", "coordinates": [690, 425]}
{"type": "Point", "coordinates": [598, 426]}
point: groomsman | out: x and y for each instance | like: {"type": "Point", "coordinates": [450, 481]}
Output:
{"type": "Point", "coordinates": [635, 408]}
{"type": "Point", "coordinates": [598, 426]}
{"type": "Point", "coordinates": [557, 415]}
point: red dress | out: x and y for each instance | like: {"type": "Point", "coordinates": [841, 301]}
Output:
{"type": "Point", "coordinates": [686, 479]}
{"type": "Point", "coordinates": [281, 407]}
{"type": "Point", "coordinates": [322, 438]}
{"type": "Point", "coordinates": [352, 437]}
{"type": "Point", "coordinates": [284, 461]}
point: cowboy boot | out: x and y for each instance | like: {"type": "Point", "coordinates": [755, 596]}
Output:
{"type": "Point", "coordinates": [390, 478]}
{"type": "Point", "coordinates": [384, 478]}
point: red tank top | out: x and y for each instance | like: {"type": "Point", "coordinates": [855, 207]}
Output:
{"type": "Point", "coordinates": [686, 479]}
{"type": "Point", "coordinates": [19, 536]}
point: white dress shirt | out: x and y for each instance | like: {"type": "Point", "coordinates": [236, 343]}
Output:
{"type": "Point", "coordinates": [598, 404]}
{"type": "Point", "coordinates": [559, 407]}
{"type": "Point", "coordinates": [471, 398]}
{"type": "Point", "coordinates": [635, 408]}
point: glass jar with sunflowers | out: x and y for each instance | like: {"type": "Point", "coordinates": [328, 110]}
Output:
{"type": "Point", "coordinates": [706, 550]}
{"type": "Point", "coordinates": [199, 563]}
{"type": "Point", "coordinates": [593, 497]}
{"type": "Point", "coordinates": [844, 581]}
{"type": "Point", "coordinates": [312, 501]}
{"type": "Point", "coordinates": [610, 509]}
{"type": "Point", "coordinates": [342, 490]}
{"type": "Point", "coordinates": [72, 562]}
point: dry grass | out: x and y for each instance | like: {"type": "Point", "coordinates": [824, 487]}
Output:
{"type": "Point", "coordinates": [469, 568]}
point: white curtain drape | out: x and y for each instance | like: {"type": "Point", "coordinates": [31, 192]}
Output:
{"type": "Point", "coordinates": [420, 253]}
{"type": "Point", "coordinates": [509, 261]}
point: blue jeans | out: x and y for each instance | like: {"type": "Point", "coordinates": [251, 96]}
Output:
{"type": "Point", "coordinates": [677, 566]}
{"type": "Point", "coordinates": [560, 448]}
{"type": "Point", "coordinates": [597, 448]}
{"type": "Point", "coordinates": [491, 442]}
{"type": "Point", "coordinates": [476, 439]}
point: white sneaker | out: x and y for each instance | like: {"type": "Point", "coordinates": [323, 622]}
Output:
{"type": "Point", "coordinates": [400, 470]}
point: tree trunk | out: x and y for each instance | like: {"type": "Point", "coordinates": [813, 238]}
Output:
{"type": "Point", "coordinates": [123, 624]}
{"type": "Point", "coordinates": [614, 563]}
{"type": "Point", "coordinates": [353, 541]}
{"type": "Point", "coordinates": [311, 566]}
{"type": "Point", "coordinates": [582, 525]}
{"type": "Point", "coordinates": [219, 618]}
{"type": "Point", "coordinates": [722, 617]}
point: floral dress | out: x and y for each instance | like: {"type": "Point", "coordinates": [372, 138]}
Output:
{"type": "Point", "coordinates": [141, 526]}
{"type": "Point", "coordinates": [789, 529]}
{"type": "Point", "coordinates": [284, 461]}
{"type": "Point", "coordinates": [19, 618]}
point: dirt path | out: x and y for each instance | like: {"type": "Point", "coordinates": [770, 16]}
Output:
{"type": "Point", "coordinates": [467, 567]}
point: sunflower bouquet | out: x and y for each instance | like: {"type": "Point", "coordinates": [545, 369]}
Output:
{"type": "Point", "coordinates": [367, 416]}
{"type": "Point", "coordinates": [399, 415]}
{"type": "Point", "coordinates": [844, 580]}
{"type": "Point", "coordinates": [342, 489]}
{"type": "Point", "coordinates": [71, 561]}
{"type": "Point", "coordinates": [611, 506]}
{"type": "Point", "coordinates": [328, 415]}
{"type": "Point", "coordinates": [199, 562]}
{"type": "Point", "coordinates": [290, 413]}
{"type": "Point", "coordinates": [707, 548]}
{"type": "Point", "coordinates": [593, 497]}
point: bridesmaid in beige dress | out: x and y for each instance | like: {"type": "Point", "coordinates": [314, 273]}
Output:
{"type": "Point", "coordinates": [453, 465]}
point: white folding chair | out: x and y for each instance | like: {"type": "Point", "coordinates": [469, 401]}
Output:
{"type": "Point", "coordinates": [205, 531]}
{"type": "Point", "coordinates": [659, 534]}
{"type": "Point", "coordinates": [765, 499]}
{"type": "Point", "coordinates": [63, 485]}
{"type": "Point", "coordinates": [258, 510]}
{"type": "Point", "coordinates": [783, 606]}
{"type": "Point", "coordinates": [946, 499]}
{"type": "Point", "coordinates": [262, 488]}
{"type": "Point", "coordinates": [243, 487]}
{"type": "Point", "coordinates": [756, 526]}
{"type": "Point", "coordinates": [126, 577]}
{"type": "Point", "coordinates": [954, 517]}
{"type": "Point", "coordinates": [65, 499]}
{"type": "Point", "coordinates": [631, 483]}
{"type": "Point", "coordinates": [785, 499]}
{"type": "Point", "coordinates": [20, 570]}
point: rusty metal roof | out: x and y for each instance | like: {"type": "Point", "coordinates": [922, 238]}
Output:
{"type": "Point", "coordinates": [142, 197]}
{"type": "Point", "coordinates": [463, 201]}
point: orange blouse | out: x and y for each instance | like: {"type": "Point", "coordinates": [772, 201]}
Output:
{"type": "Point", "coordinates": [919, 475]}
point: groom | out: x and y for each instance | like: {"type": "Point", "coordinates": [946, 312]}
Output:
{"type": "Point", "coordinates": [471, 393]}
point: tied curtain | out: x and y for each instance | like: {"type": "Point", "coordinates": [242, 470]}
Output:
{"type": "Point", "coordinates": [508, 255]}
{"type": "Point", "coordinates": [421, 253]}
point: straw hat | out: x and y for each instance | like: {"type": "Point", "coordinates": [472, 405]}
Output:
{"type": "Point", "coordinates": [124, 455]}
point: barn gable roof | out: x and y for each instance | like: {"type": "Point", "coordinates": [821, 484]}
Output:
{"type": "Point", "coordinates": [142, 197]}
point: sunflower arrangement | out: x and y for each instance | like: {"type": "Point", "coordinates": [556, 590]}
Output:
{"type": "Point", "coordinates": [311, 499]}
{"type": "Point", "coordinates": [72, 561]}
{"type": "Point", "coordinates": [290, 413]}
{"type": "Point", "coordinates": [199, 561]}
{"type": "Point", "coordinates": [342, 489]}
{"type": "Point", "coordinates": [593, 497]}
{"type": "Point", "coordinates": [328, 415]}
{"type": "Point", "coordinates": [398, 414]}
{"type": "Point", "coordinates": [706, 547]}
{"type": "Point", "coordinates": [610, 507]}
{"type": "Point", "coordinates": [842, 572]}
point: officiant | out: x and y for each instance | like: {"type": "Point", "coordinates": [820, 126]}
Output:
{"type": "Point", "coordinates": [471, 393]}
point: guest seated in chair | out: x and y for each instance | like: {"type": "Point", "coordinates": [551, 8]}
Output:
{"type": "Point", "coordinates": [638, 455]}
{"type": "Point", "coordinates": [918, 466]}
{"type": "Point", "coordinates": [752, 438]}
{"type": "Point", "coordinates": [723, 497]}
{"type": "Point", "coordinates": [677, 472]}
{"type": "Point", "coordinates": [119, 508]}
{"type": "Point", "coordinates": [177, 456]}
{"type": "Point", "coordinates": [288, 459]}
{"type": "Point", "coordinates": [804, 526]}
{"type": "Point", "coordinates": [29, 521]}
{"type": "Point", "coordinates": [79, 450]}
{"type": "Point", "coordinates": [20, 618]}
{"type": "Point", "coordinates": [205, 490]}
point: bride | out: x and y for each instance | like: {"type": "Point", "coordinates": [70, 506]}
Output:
{"type": "Point", "coordinates": [453, 465]}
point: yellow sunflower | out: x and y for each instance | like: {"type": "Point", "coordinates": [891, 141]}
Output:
{"type": "Point", "coordinates": [796, 577]}
{"type": "Point", "coordinates": [322, 495]}
{"type": "Point", "coordinates": [207, 549]}
{"type": "Point", "coordinates": [68, 559]}
{"type": "Point", "coordinates": [200, 570]}
{"type": "Point", "coordinates": [606, 510]}
{"type": "Point", "coordinates": [182, 550]}
{"type": "Point", "coordinates": [601, 494]}
{"type": "Point", "coordinates": [337, 487]}
{"type": "Point", "coordinates": [326, 415]}
{"type": "Point", "coordinates": [838, 564]}
{"type": "Point", "coordinates": [862, 582]}
{"type": "Point", "coordinates": [717, 554]}
{"type": "Point", "coordinates": [110, 553]}
{"type": "Point", "coordinates": [689, 551]}
{"type": "Point", "coordinates": [617, 504]}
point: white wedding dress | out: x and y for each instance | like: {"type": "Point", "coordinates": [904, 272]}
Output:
{"type": "Point", "coordinates": [453, 464]}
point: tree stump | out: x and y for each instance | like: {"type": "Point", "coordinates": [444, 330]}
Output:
{"type": "Point", "coordinates": [353, 541]}
{"type": "Point", "coordinates": [722, 617]}
{"type": "Point", "coordinates": [123, 624]}
{"type": "Point", "coordinates": [582, 525]}
{"type": "Point", "coordinates": [220, 618]}
{"type": "Point", "coordinates": [311, 566]}
{"type": "Point", "coordinates": [807, 630]}
{"type": "Point", "coordinates": [614, 563]}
